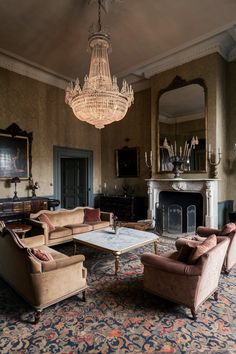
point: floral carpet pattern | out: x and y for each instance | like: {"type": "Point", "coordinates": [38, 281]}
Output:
{"type": "Point", "coordinates": [118, 316]}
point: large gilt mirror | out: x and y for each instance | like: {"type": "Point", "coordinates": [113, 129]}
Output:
{"type": "Point", "coordinates": [182, 117]}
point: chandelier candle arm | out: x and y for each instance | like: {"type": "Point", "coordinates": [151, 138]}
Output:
{"type": "Point", "coordinates": [99, 101]}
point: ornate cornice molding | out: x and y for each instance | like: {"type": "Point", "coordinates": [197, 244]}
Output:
{"type": "Point", "coordinates": [29, 69]}
{"type": "Point", "coordinates": [223, 42]}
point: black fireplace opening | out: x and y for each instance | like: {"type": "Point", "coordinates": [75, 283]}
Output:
{"type": "Point", "coordinates": [179, 212]}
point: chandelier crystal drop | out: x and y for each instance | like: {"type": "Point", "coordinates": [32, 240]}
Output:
{"type": "Point", "coordinates": [99, 101]}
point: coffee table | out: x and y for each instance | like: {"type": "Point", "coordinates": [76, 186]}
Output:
{"type": "Point", "coordinates": [123, 241]}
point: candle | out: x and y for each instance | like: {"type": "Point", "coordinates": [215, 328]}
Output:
{"type": "Point", "coordinates": [145, 156]}
{"type": "Point", "coordinates": [175, 149]}
{"type": "Point", "coordinates": [185, 148]}
{"type": "Point", "coordinates": [105, 185]}
{"type": "Point", "coordinates": [180, 151]}
{"type": "Point", "coordinates": [209, 148]}
{"type": "Point", "coordinates": [151, 156]}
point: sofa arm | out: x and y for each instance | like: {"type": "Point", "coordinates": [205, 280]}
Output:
{"type": "Point", "coordinates": [34, 222]}
{"type": "Point", "coordinates": [170, 265]}
{"type": "Point", "coordinates": [62, 263]}
{"type": "Point", "coordinates": [42, 225]}
{"type": "Point", "coordinates": [34, 241]}
{"type": "Point", "coordinates": [207, 231]}
{"type": "Point", "coordinates": [190, 242]}
{"type": "Point", "coordinates": [105, 216]}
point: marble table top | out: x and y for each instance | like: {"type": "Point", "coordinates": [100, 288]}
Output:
{"type": "Point", "coordinates": [126, 239]}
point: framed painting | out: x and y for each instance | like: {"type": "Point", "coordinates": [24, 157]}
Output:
{"type": "Point", "coordinates": [15, 153]}
{"type": "Point", "coordinates": [127, 162]}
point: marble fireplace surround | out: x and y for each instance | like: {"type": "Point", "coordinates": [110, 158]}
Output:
{"type": "Point", "coordinates": [207, 187]}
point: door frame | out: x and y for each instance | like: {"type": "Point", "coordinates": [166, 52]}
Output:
{"type": "Point", "coordinates": [63, 152]}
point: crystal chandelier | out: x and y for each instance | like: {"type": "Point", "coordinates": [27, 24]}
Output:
{"type": "Point", "coordinates": [99, 102]}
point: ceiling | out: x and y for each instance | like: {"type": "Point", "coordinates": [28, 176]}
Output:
{"type": "Point", "coordinates": [53, 34]}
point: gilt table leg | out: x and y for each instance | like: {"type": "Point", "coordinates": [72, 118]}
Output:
{"type": "Point", "coordinates": [117, 263]}
{"type": "Point", "coordinates": [155, 246]}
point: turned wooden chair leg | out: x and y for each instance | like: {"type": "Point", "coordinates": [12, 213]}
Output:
{"type": "Point", "coordinates": [37, 316]}
{"type": "Point", "coordinates": [216, 295]}
{"type": "Point", "coordinates": [194, 314]}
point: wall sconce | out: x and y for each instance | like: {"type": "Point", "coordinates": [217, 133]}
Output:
{"type": "Point", "coordinates": [15, 180]}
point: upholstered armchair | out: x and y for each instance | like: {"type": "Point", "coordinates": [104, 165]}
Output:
{"type": "Point", "coordinates": [183, 282]}
{"type": "Point", "coordinates": [228, 230]}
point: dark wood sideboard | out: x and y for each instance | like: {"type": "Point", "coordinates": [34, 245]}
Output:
{"type": "Point", "coordinates": [125, 208]}
{"type": "Point", "coordinates": [19, 210]}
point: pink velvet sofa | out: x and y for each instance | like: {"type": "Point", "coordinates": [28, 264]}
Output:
{"type": "Point", "coordinates": [183, 283]}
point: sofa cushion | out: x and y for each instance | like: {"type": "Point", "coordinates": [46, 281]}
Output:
{"type": "Point", "coordinates": [55, 254]}
{"type": "Point", "coordinates": [45, 218]}
{"type": "Point", "coordinates": [33, 241]}
{"type": "Point", "coordinates": [60, 232]}
{"type": "Point", "coordinates": [185, 252]}
{"type": "Point", "coordinates": [228, 228]}
{"type": "Point", "coordinates": [42, 255]}
{"type": "Point", "coordinates": [92, 215]}
{"type": "Point", "coordinates": [202, 248]}
{"type": "Point", "coordinates": [99, 224]}
{"type": "Point", "coordinates": [34, 263]}
{"type": "Point", "coordinates": [79, 228]}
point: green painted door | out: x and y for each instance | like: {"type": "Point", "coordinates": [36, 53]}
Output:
{"type": "Point", "coordinates": [74, 182]}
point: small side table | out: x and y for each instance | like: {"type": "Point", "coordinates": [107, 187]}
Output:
{"type": "Point", "coordinates": [19, 229]}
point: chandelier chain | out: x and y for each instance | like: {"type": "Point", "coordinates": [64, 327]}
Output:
{"type": "Point", "coordinates": [99, 16]}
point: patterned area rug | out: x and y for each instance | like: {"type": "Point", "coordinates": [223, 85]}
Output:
{"type": "Point", "coordinates": [118, 316]}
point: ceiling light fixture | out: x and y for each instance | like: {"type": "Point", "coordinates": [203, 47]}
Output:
{"type": "Point", "coordinates": [100, 101]}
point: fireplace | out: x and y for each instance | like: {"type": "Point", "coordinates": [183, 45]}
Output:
{"type": "Point", "coordinates": [179, 212]}
{"type": "Point", "coordinates": [187, 202]}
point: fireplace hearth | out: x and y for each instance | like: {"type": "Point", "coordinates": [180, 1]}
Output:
{"type": "Point", "coordinates": [179, 212]}
{"type": "Point", "coordinates": [182, 205]}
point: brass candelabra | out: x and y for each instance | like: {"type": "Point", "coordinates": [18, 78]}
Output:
{"type": "Point", "coordinates": [181, 158]}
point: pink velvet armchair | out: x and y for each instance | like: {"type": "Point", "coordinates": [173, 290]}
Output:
{"type": "Point", "coordinates": [228, 230]}
{"type": "Point", "coordinates": [186, 284]}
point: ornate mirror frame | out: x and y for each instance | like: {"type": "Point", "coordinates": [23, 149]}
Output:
{"type": "Point", "coordinates": [179, 82]}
